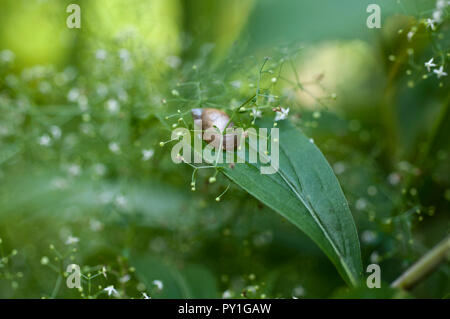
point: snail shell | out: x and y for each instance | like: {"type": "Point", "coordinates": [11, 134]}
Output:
{"type": "Point", "coordinates": [214, 118]}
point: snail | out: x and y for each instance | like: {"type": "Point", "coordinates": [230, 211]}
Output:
{"type": "Point", "coordinates": [210, 118]}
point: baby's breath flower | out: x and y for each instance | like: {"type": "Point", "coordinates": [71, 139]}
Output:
{"type": "Point", "coordinates": [114, 147]}
{"type": "Point", "coordinates": [72, 240]}
{"type": "Point", "coordinates": [95, 225]}
{"type": "Point", "coordinates": [236, 84]}
{"type": "Point", "coordinates": [103, 272]}
{"type": "Point", "coordinates": [375, 257]}
{"type": "Point", "coordinates": [282, 114]}
{"type": "Point", "coordinates": [368, 236]}
{"type": "Point", "coordinates": [74, 170]}
{"type": "Point", "coordinates": [361, 204]}
{"type": "Point", "coordinates": [441, 4]}
{"type": "Point", "coordinates": [429, 64]}
{"type": "Point", "coordinates": [55, 131]}
{"type": "Point", "coordinates": [100, 54]}
{"type": "Point", "coordinates": [440, 72]}
{"type": "Point", "coordinates": [7, 56]}
{"type": "Point", "coordinates": [125, 278]}
{"type": "Point", "coordinates": [124, 55]}
{"type": "Point", "coordinates": [173, 61]}
{"type": "Point", "coordinates": [73, 95]}
{"type": "Point", "coordinates": [430, 24]}
{"type": "Point", "coordinates": [111, 291]}
{"type": "Point", "coordinates": [256, 113]}
{"type": "Point", "coordinates": [99, 169]}
{"type": "Point", "coordinates": [147, 154]}
{"type": "Point", "coordinates": [158, 283]}
{"type": "Point", "coordinates": [298, 291]}
{"type": "Point", "coordinates": [437, 16]}
{"type": "Point", "coordinates": [121, 201]}
{"type": "Point", "coordinates": [45, 140]}
{"type": "Point", "coordinates": [113, 106]}
{"type": "Point", "coordinates": [146, 296]}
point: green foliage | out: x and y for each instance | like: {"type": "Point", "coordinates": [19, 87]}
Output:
{"type": "Point", "coordinates": [305, 191]}
{"type": "Point", "coordinates": [83, 179]}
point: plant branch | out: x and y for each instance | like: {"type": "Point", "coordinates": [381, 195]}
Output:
{"type": "Point", "coordinates": [423, 266]}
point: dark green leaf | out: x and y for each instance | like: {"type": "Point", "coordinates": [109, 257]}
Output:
{"type": "Point", "coordinates": [307, 193]}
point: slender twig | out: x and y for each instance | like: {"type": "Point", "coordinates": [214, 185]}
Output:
{"type": "Point", "coordinates": [423, 266]}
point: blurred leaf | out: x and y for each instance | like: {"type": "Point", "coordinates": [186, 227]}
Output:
{"type": "Point", "coordinates": [192, 281]}
{"type": "Point", "coordinates": [306, 192]}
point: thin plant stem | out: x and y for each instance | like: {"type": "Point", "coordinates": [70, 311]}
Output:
{"type": "Point", "coordinates": [423, 266]}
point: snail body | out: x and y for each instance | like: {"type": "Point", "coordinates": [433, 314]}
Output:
{"type": "Point", "coordinates": [210, 119]}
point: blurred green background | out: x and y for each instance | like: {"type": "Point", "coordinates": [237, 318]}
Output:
{"type": "Point", "coordinates": [83, 179]}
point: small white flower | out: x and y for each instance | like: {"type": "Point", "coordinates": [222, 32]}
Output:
{"type": "Point", "coordinates": [256, 113]}
{"type": "Point", "coordinates": [394, 178]}
{"type": "Point", "coordinates": [158, 283]}
{"type": "Point", "coordinates": [410, 35]}
{"type": "Point", "coordinates": [100, 54]}
{"type": "Point", "coordinates": [99, 169]}
{"type": "Point", "coordinates": [73, 95]}
{"type": "Point", "coordinates": [113, 106]}
{"type": "Point", "coordinates": [7, 56]}
{"type": "Point", "coordinates": [45, 140]}
{"type": "Point", "coordinates": [124, 54]}
{"type": "Point", "coordinates": [121, 201]}
{"type": "Point", "coordinates": [281, 115]}
{"type": "Point", "coordinates": [441, 4]}
{"type": "Point", "coordinates": [114, 147]}
{"type": "Point", "coordinates": [252, 289]}
{"type": "Point", "coordinates": [102, 90]}
{"type": "Point", "coordinates": [226, 294]}
{"type": "Point", "coordinates": [146, 296]}
{"type": "Point", "coordinates": [147, 154]}
{"type": "Point", "coordinates": [95, 225]}
{"type": "Point", "coordinates": [104, 271]}
{"type": "Point", "coordinates": [125, 278]}
{"type": "Point", "coordinates": [339, 168]}
{"type": "Point", "coordinates": [111, 291]}
{"type": "Point", "coordinates": [175, 92]}
{"type": "Point", "coordinates": [55, 131]}
{"type": "Point", "coordinates": [368, 236]}
{"type": "Point", "coordinates": [430, 24]}
{"type": "Point", "coordinates": [74, 170]}
{"type": "Point", "coordinates": [236, 84]}
{"type": "Point", "coordinates": [437, 16]}
{"type": "Point", "coordinates": [361, 204]}
{"type": "Point", "coordinates": [374, 257]}
{"type": "Point", "coordinates": [440, 72]}
{"type": "Point", "coordinates": [173, 61]}
{"type": "Point", "coordinates": [59, 183]}
{"type": "Point", "coordinates": [429, 64]}
{"type": "Point", "coordinates": [72, 240]}
{"type": "Point", "coordinates": [106, 197]}
{"type": "Point", "coordinates": [299, 291]}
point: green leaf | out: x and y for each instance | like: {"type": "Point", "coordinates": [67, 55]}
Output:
{"type": "Point", "coordinates": [306, 192]}
{"type": "Point", "coordinates": [190, 281]}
